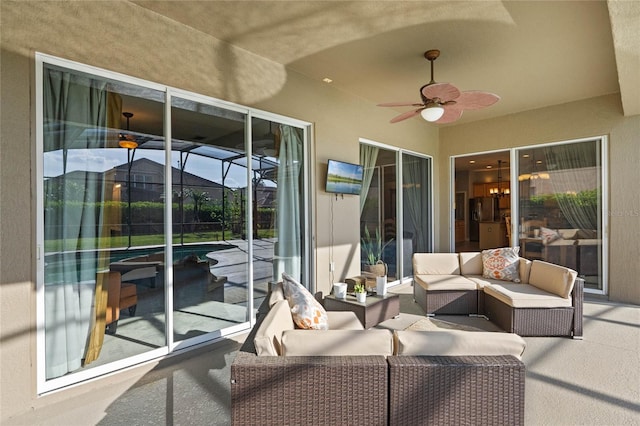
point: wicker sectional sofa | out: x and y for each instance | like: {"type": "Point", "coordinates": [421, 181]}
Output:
{"type": "Point", "coordinates": [546, 302]}
{"type": "Point", "coordinates": [283, 375]}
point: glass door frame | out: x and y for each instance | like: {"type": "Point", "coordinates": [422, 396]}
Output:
{"type": "Point", "coordinates": [515, 192]}
{"type": "Point", "coordinates": [43, 385]}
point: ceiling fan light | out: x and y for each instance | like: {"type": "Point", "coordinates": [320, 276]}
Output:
{"type": "Point", "coordinates": [432, 113]}
{"type": "Point", "coordinates": [129, 144]}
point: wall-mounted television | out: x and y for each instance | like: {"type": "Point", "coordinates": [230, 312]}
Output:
{"type": "Point", "coordinates": [344, 178]}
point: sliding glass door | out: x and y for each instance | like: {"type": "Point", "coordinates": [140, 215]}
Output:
{"type": "Point", "coordinates": [561, 207]}
{"type": "Point", "coordinates": [395, 209]}
{"type": "Point", "coordinates": [150, 245]}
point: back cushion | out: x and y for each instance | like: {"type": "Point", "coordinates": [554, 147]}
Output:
{"type": "Point", "coordinates": [277, 294]}
{"type": "Point", "coordinates": [268, 337]}
{"type": "Point", "coordinates": [552, 278]}
{"type": "Point", "coordinates": [337, 342]}
{"type": "Point", "coordinates": [525, 270]}
{"type": "Point", "coordinates": [436, 264]}
{"type": "Point", "coordinates": [471, 263]}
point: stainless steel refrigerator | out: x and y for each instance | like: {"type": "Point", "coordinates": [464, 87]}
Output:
{"type": "Point", "coordinates": [483, 209]}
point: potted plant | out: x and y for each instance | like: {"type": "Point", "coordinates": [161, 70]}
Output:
{"type": "Point", "coordinates": [372, 248]}
{"type": "Point", "coordinates": [361, 292]}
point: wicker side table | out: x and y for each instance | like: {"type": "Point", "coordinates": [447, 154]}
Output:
{"type": "Point", "coordinates": [370, 313]}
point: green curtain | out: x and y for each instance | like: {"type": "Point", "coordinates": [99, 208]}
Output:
{"type": "Point", "coordinates": [75, 117]}
{"type": "Point", "coordinates": [288, 251]}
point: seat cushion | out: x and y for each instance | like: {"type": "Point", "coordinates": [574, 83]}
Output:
{"type": "Point", "coordinates": [458, 343]}
{"type": "Point", "coordinates": [553, 278]}
{"type": "Point", "coordinates": [436, 264]}
{"type": "Point", "coordinates": [526, 296]}
{"type": "Point", "coordinates": [444, 282]}
{"type": "Point", "coordinates": [269, 334]}
{"type": "Point", "coordinates": [337, 342]}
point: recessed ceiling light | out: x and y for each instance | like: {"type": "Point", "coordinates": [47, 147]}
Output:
{"type": "Point", "coordinates": [472, 161]}
{"type": "Point", "coordinates": [489, 166]}
{"type": "Point", "coordinates": [327, 80]}
{"type": "Point", "coordinates": [539, 162]}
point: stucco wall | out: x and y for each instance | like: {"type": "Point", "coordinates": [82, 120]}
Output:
{"type": "Point", "coordinates": [122, 37]}
{"type": "Point", "coordinates": [592, 117]}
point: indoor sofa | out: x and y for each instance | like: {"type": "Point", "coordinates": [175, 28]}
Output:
{"type": "Point", "coordinates": [544, 300]}
{"type": "Point", "coordinates": [349, 375]}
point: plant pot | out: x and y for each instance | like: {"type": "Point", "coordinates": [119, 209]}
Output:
{"type": "Point", "coordinates": [361, 297]}
{"type": "Point", "coordinates": [381, 285]}
{"type": "Point", "coordinates": [340, 290]}
{"type": "Point", "coordinates": [379, 269]}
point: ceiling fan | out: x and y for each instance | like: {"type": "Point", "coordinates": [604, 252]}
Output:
{"type": "Point", "coordinates": [443, 102]}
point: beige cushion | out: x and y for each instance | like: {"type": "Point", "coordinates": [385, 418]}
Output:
{"type": "Point", "coordinates": [568, 234]}
{"type": "Point", "coordinates": [526, 296]}
{"type": "Point", "coordinates": [276, 295]}
{"type": "Point", "coordinates": [436, 263]}
{"type": "Point", "coordinates": [337, 342]}
{"type": "Point", "coordinates": [525, 270]}
{"type": "Point", "coordinates": [444, 282]}
{"type": "Point", "coordinates": [555, 279]}
{"type": "Point", "coordinates": [458, 343]}
{"type": "Point", "coordinates": [471, 263]}
{"type": "Point", "coordinates": [482, 282]}
{"type": "Point", "coordinates": [269, 334]}
{"type": "Point", "coordinates": [344, 320]}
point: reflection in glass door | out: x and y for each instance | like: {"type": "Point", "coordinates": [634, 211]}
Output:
{"type": "Point", "coordinates": [102, 221]}
{"type": "Point", "coordinates": [209, 222]}
{"type": "Point", "coordinates": [560, 207]}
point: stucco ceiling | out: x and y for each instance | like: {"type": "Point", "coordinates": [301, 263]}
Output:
{"type": "Point", "coordinates": [531, 53]}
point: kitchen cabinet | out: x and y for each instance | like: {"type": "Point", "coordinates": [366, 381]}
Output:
{"type": "Point", "coordinates": [493, 235]}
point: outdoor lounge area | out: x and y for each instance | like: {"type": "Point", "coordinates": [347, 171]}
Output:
{"type": "Point", "coordinates": [562, 385]}
{"type": "Point", "coordinates": [163, 163]}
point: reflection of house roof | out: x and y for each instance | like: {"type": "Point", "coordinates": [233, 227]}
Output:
{"type": "Point", "coordinates": [152, 167]}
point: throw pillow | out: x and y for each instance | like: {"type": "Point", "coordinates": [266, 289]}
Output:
{"type": "Point", "coordinates": [548, 235]}
{"type": "Point", "coordinates": [501, 264]}
{"type": "Point", "coordinates": [307, 312]}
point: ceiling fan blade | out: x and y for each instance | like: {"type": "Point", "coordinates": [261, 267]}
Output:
{"type": "Point", "coordinates": [475, 99]}
{"type": "Point", "coordinates": [397, 104]}
{"type": "Point", "coordinates": [450, 115]}
{"type": "Point", "coordinates": [406, 115]}
{"type": "Point", "coordinates": [443, 91]}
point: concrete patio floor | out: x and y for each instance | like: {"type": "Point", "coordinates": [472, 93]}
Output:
{"type": "Point", "coordinates": [594, 381]}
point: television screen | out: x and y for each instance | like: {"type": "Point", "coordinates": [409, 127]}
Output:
{"type": "Point", "coordinates": [344, 178]}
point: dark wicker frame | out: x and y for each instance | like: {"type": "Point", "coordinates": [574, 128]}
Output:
{"type": "Point", "coordinates": [539, 321]}
{"type": "Point", "coordinates": [446, 302]}
{"type": "Point", "coordinates": [309, 390]}
{"type": "Point", "coordinates": [456, 390]}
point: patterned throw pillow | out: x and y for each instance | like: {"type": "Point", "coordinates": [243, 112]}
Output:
{"type": "Point", "coordinates": [307, 312]}
{"type": "Point", "coordinates": [548, 235]}
{"type": "Point", "coordinates": [501, 264]}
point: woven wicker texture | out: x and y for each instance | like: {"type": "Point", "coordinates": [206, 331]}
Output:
{"type": "Point", "coordinates": [309, 390]}
{"type": "Point", "coordinates": [443, 302]}
{"type": "Point", "coordinates": [456, 390]}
